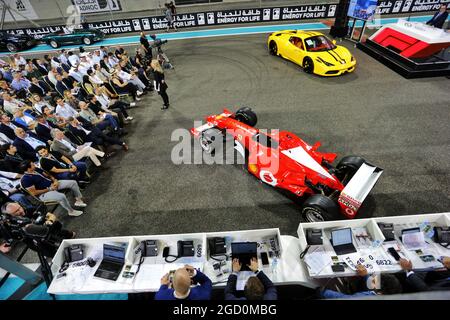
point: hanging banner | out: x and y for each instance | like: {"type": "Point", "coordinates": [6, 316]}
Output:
{"type": "Point", "coordinates": [237, 16]}
{"type": "Point", "coordinates": [95, 6]}
{"type": "Point", "coordinates": [409, 6]}
{"type": "Point", "coordinates": [21, 9]}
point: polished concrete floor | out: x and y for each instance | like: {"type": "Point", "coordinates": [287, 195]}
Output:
{"type": "Point", "coordinates": [400, 125]}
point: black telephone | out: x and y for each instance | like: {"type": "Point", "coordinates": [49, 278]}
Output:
{"type": "Point", "coordinates": [185, 248]}
{"type": "Point", "coordinates": [442, 235]}
{"type": "Point", "coordinates": [217, 246]}
{"type": "Point", "coordinates": [149, 248]}
{"type": "Point", "coordinates": [388, 230]}
{"type": "Point", "coordinates": [74, 252]}
{"type": "Point", "coordinates": [314, 237]}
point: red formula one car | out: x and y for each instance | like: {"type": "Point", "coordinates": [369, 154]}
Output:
{"type": "Point", "coordinates": [284, 161]}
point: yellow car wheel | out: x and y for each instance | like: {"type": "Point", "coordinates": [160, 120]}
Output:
{"type": "Point", "coordinates": [308, 65]}
{"type": "Point", "coordinates": [273, 48]}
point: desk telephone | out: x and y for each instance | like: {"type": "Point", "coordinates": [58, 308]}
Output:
{"type": "Point", "coordinates": [149, 248]}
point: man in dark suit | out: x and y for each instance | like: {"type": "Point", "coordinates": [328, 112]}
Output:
{"type": "Point", "coordinates": [61, 86]}
{"type": "Point", "coordinates": [86, 132]}
{"type": "Point", "coordinates": [258, 287]}
{"type": "Point", "coordinates": [39, 87]}
{"type": "Point", "coordinates": [7, 127]}
{"type": "Point", "coordinates": [43, 129]}
{"type": "Point", "coordinates": [428, 281]}
{"type": "Point", "coordinates": [439, 17]}
{"type": "Point", "coordinates": [42, 67]}
{"type": "Point", "coordinates": [26, 144]}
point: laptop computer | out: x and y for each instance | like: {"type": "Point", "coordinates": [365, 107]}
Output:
{"type": "Point", "coordinates": [244, 251]}
{"type": "Point", "coordinates": [342, 241]}
{"type": "Point", "coordinates": [112, 263]}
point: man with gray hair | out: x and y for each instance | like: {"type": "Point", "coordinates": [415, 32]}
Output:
{"type": "Point", "coordinates": [70, 150]}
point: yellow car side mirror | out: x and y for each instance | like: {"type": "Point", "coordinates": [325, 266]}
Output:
{"type": "Point", "coordinates": [334, 41]}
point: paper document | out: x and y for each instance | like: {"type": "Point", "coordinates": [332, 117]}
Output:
{"type": "Point", "coordinates": [414, 241]}
{"type": "Point", "coordinates": [317, 260]}
{"type": "Point", "coordinates": [242, 279]}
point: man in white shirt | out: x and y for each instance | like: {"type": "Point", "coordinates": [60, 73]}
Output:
{"type": "Point", "coordinates": [63, 57]}
{"type": "Point", "coordinates": [39, 104]}
{"type": "Point", "coordinates": [126, 77]}
{"type": "Point", "coordinates": [19, 60]}
{"type": "Point", "coordinates": [52, 75]}
{"type": "Point", "coordinates": [96, 58]}
{"type": "Point", "coordinates": [74, 73]}
{"type": "Point", "coordinates": [64, 110]}
{"type": "Point", "coordinates": [73, 59]}
{"type": "Point", "coordinates": [10, 104]}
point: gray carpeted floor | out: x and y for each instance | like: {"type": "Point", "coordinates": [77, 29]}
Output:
{"type": "Point", "coordinates": [400, 125]}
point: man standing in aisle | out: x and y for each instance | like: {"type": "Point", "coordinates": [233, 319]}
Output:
{"type": "Point", "coordinates": [180, 286]}
{"type": "Point", "coordinates": [258, 287]}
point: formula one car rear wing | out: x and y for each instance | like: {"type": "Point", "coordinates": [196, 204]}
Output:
{"type": "Point", "coordinates": [357, 189]}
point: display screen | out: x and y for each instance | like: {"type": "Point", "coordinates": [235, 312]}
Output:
{"type": "Point", "coordinates": [362, 9]}
{"type": "Point", "coordinates": [341, 236]}
{"type": "Point", "coordinates": [113, 252]}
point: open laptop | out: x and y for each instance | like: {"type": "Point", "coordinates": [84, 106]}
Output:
{"type": "Point", "coordinates": [244, 251]}
{"type": "Point", "coordinates": [342, 241]}
{"type": "Point", "coordinates": [112, 263]}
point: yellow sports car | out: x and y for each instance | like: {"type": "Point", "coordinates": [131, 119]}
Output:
{"type": "Point", "coordinates": [313, 51]}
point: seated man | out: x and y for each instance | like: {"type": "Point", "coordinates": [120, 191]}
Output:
{"type": "Point", "coordinates": [388, 284]}
{"type": "Point", "coordinates": [7, 127]}
{"type": "Point", "coordinates": [46, 188]}
{"type": "Point", "coordinates": [26, 144]}
{"type": "Point", "coordinates": [71, 151]}
{"type": "Point", "coordinates": [10, 186]}
{"type": "Point", "coordinates": [258, 287]}
{"type": "Point", "coordinates": [43, 128]}
{"type": "Point", "coordinates": [427, 281]}
{"type": "Point", "coordinates": [61, 167]}
{"type": "Point", "coordinates": [103, 121]}
{"type": "Point", "coordinates": [12, 157]}
{"type": "Point", "coordinates": [94, 135]}
{"type": "Point", "coordinates": [63, 109]}
{"type": "Point", "coordinates": [180, 288]}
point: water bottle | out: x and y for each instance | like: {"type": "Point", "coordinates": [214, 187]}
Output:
{"type": "Point", "coordinates": [274, 264]}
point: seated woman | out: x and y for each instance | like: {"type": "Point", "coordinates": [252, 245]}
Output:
{"type": "Point", "coordinates": [88, 85]}
{"type": "Point", "coordinates": [123, 87]}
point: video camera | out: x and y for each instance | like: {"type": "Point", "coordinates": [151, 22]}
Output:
{"type": "Point", "coordinates": [33, 233]}
{"type": "Point", "coordinates": [157, 43]}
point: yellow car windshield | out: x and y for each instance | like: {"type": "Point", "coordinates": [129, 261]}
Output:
{"type": "Point", "coordinates": [319, 43]}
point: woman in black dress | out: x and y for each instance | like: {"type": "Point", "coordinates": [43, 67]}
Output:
{"type": "Point", "coordinates": [160, 83]}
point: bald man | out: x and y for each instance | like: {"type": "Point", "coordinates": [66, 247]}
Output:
{"type": "Point", "coordinates": [180, 287]}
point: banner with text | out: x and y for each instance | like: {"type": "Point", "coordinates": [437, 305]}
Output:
{"type": "Point", "coordinates": [238, 16]}
{"type": "Point", "coordinates": [95, 6]}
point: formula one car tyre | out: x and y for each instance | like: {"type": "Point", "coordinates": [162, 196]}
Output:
{"type": "Point", "coordinates": [347, 167]}
{"type": "Point", "coordinates": [320, 208]}
{"type": "Point", "coordinates": [210, 140]}
{"type": "Point", "coordinates": [247, 116]}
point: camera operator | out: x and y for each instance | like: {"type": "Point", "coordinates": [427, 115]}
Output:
{"type": "Point", "coordinates": [18, 223]}
{"type": "Point", "coordinates": [146, 46]}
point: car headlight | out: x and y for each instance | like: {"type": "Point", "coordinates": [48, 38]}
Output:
{"type": "Point", "coordinates": [325, 62]}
